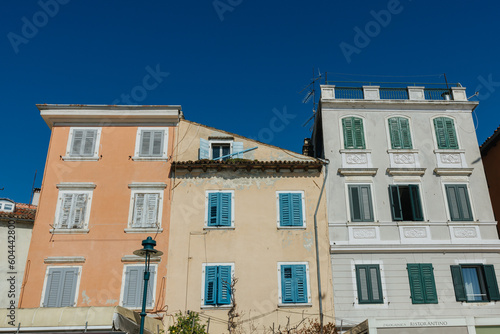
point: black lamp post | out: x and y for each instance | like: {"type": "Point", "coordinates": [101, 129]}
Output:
{"type": "Point", "coordinates": [147, 252]}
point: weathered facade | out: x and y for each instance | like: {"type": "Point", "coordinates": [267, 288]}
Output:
{"type": "Point", "coordinates": [413, 238]}
{"type": "Point", "coordinates": [231, 222]}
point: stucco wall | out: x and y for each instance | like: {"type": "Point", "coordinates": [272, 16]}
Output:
{"type": "Point", "coordinates": [491, 161]}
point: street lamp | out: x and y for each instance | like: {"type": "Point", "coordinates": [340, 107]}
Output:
{"type": "Point", "coordinates": [147, 252]}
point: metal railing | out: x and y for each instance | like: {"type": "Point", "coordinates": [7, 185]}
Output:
{"type": "Point", "coordinates": [437, 94]}
{"type": "Point", "coordinates": [349, 93]}
{"type": "Point", "coordinates": [393, 93]}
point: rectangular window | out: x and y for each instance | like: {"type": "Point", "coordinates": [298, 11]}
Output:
{"type": "Point", "coordinates": [475, 283]}
{"type": "Point", "coordinates": [60, 287]}
{"type": "Point", "coordinates": [219, 209]}
{"type": "Point", "coordinates": [353, 132]}
{"type": "Point", "coordinates": [405, 203]}
{"type": "Point", "coordinates": [369, 284]}
{"type": "Point", "coordinates": [217, 288]}
{"type": "Point", "coordinates": [458, 202]}
{"type": "Point", "coordinates": [445, 133]}
{"type": "Point", "coordinates": [83, 142]}
{"type": "Point", "coordinates": [422, 284]}
{"type": "Point", "coordinates": [294, 285]}
{"type": "Point", "coordinates": [291, 205]}
{"type": "Point", "coordinates": [360, 203]}
{"type": "Point", "coordinates": [133, 286]}
{"type": "Point", "coordinates": [216, 148]}
{"type": "Point", "coordinates": [399, 129]}
{"type": "Point", "coordinates": [73, 210]}
{"type": "Point", "coordinates": [151, 143]}
{"type": "Point", "coordinates": [145, 210]}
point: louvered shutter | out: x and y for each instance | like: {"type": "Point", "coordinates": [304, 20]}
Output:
{"type": "Point", "coordinates": [68, 289]}
{"type": "Point", "coordinates": [427, 274]}
{"type": "Point", "coordinates": [416, 205]}
{"type": "Point", "coordinates": [362, 283]}
{"type": "Point", "coordinates": [416, 284]}
{"type": "Point", "coordinates": [237, 147]}
{"type": "Point", "coordinates": [296, 209]}
{"type": "Point", "coordinates": [151, 210]}
{"type": "Point", "coordinates": [439, 127]}
{"type": "Point", "coordinates": [463, 201]}
{"type": "Point", "coordinates": [396, 141]}
{"type": "Point", "coordinates": [53, 286]}
{"type": "Point", "coordinates": [348, 127]}
{"type": "Point", "coordinates": [453, 203]}
{"type": "Point", "coordinates": [132, 290]}
{"type": "Point", "coordinates": [224, 285]}
{"type": "Point", "coordinates": [67, 206]}
{"type": "Point", "coordinates": [89, 143]}
{"type": "Point", "coordinates": [213, 209]}
{"type": "Point", "coordinates": [404, 126]}
{"type": "Point", "coordinates": [287, 286]}
{"type": "Point", "coordinates": [284, 203]}
{"type": "Point", "coordinates": [157, 145]}
{"type": "Point", "coordinates": [366, 203]}
{"type": "Point", "coordinates": [458, 283]}
{"type": "Point", "coordinates": [450, 133]}
{"type": "Point", "coordinates": [397, 213]}
{"type": "Point", "coordinates": [78, 214]}
{"type": "Point", "coordinates": [77, 142]}
{"type": "Point", "coordinates": [359, 136]}
{"type": "Point", "coordinates": [139, 201]}
{"type": "Point", "coordinates": [210, 285]}
{"type": "Point", "coordinates": [61, 287]}
{"type": "Point", "coordinates": [204, 149]}
{"type": "Point", "coordinates": [151, 285]}
{"type": "Point", "coordinates": [375, 284]}
{"type": "Point", "coordinates": [300, 283]}
{"type": "Point", "coordinates": [491, 282]}
{"type": "Point", "coordinates": [355, 204]}
{"type": "Point", "coordinates": [146, 137]}
{"type": "Point", "coordinates": [225, 209]}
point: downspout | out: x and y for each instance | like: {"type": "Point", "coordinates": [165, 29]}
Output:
{"type": "Point", "coordinates": [325, 164]}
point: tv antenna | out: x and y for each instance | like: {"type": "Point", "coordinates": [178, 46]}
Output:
{"type": "Point", "coordinates": [311, 93]}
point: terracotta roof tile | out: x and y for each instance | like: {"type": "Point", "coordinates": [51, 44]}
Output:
{"type": "Point", "coordinates": [22, 211]}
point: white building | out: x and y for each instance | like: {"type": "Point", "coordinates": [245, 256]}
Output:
{"type": "Point", "coordinates": [414, 246]}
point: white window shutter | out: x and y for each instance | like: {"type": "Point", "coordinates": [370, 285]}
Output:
{"type": "Point", "coordinates": [237, 147]}
{"type": "Point", "coordinates": [157, 149]}
{"type": "Point", "coordinates": [152, 210]}
{"type": "Point", "coordinates": [145, 143]}
{"type": "Point", "coordinates": [89, 143]}
{"type": "Point", "coordinates": [66, 210]}
{"type": "Point", "coordinates": [138, 210]}
{"type": "Point", "coordinates": [79, 210]}
{"type": "Point", "coordinates": [204, 149]}
{"type": "Point", "coordinates": [77, 142]}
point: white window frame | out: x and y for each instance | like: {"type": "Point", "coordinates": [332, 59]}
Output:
{"type": "Point", "coordinates": [309, 300]}
{"type": "Point", "coordinates": [348, 203]}
{"type": "Point", "coordinates": [94, 157]}
{"type": "Point", "coordinates": [278, 222]}
{"type": "Point", "coordinates": [45, 280]}
{"type": "Point", "coordinates": [220, 142]}
{"type": "Point", "coordinates": [205, 226]}
{"type": "Point", "coordinates": [357, 305]}
{"type": "Point", "coordinates": [163, 157]}
{"type": "Point", "coordinates": [122, 290]}
{"type": "Point", "coordinates": [73, 188]}
{"type": "Point", "coordinates": [203, 266]}
{"type": "Point", "coordinates": [145, 188]}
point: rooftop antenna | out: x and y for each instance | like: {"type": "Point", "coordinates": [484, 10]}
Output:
{"type": "Point", "coordinates": [446, 81]}
{"type": "Point", "coordinates": [311, 93]}
{"type": "Point", "coordinates": [32, 187]}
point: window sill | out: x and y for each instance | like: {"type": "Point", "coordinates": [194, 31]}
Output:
{"type": "Point", "coordinates": [218, 227]}
{"type": "Point", "coordinates": [69, 231]}
{"type": "Point", "coordinates": [216, 307]}
{"type": "Point", "coordinates": [137, 158]}
{"type": "Point", "coordinates": [355, 150]}
{"type": "Point", "coordinates": [449, 150]}
{"type": "Point", "coordinates": [402, 150]}
{"type": "Point", "coordinates": [294, 305]}
{"type": "Point", "coordinates": [291, 227]}
{"type": "Point", "coordinates": [70, 158]}
{"type": "Point", "coordinates": [143, 230]}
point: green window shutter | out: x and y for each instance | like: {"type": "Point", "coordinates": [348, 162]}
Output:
{"type": "Point", "coordinates": [204, 149]}
{"type": "Point", "coordinates": [355, 204]}
{"type": "Point", "coordinates": [359, 136]}
{"type": "Point", "coordinates": [491, 282]}
{"type": "Point", "coordinates": [348, 127]}
{"type": "Point", "coordinates": [366, 202]}
{"type": "Point", "coordinates": [439, 127]}
{"type": "Point", "coordinates": [225, 209]}
{"type": "Point", "coordinates": [451, 135]}
{"type": "Point", "coordinates": [453, 202]}
{"type": "Point", "coordinates": [360, 203]}
{"type": "Point", "coordinates": [458, 283]}
{"type": "Point", "coordinates": [445, 133]}
{"type": "Point", "coordinates": [429, 284]}
{"type": "Point", "coordinates": [224, 285]}
{"type": "Point", "coordinates": [416, 283]}
{"type": "Point", "coordinates": [405, 133]}
{"type": "Point", "coordinates": [416, 205]}
{"type": "Point", "coordinates": [464, 203]}
{"type": "Point", "coordinates": [211, 274]}
{"type": "Point", "coordinates": [397, 213]}
{"type": "Point", "coordinates": [285, 214]}
{"type": "Point", "coordinates": [396, 140]}
{"type": "Point", "coordinates": [369, 284]}
{"type": "Point", "coordinates": [458, 202]}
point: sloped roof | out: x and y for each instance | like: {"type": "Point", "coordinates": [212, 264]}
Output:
{"type": "Point", "coordinates": [490, 142]}
{"type": "Point", "coordinates": [241, 164]}
{"type": "Point", "coordinates": [22, 212]}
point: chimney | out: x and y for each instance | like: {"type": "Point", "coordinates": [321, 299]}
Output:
{"type": "Point", "coordinates": [36, 196]}
{"type": "Point", "coordinates": [307, 148]}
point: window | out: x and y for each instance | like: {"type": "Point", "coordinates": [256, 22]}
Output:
{"type": "Point", "coordinates": [83, 144]}
{"type": "Point", "coordinates": [291, 209]}
{"type": "Point", "coordinates": [422, 284]}
{"type": "Point", "coordinates": [220, 209]}
{"type": "Point", "coordinates": [133, 286]}
{"type": "Point", "coordinates": [214, 149]}
{"type": "Point", "coordinates": [217, 284]}
{"type": "Point", "coordinates": [353, 132]}
{"type": "Point", "coordinates": [60, 287]}
{"type": "Point", "coordinates": [458, 202]}
{"type": "Point", "coordinates": [294, 285]}
{"type": "Point", "coordinates": [399, 130]}
{"type": "Point", "coordinates": [146, 209]}
{"type": "Point", "coordinates": [405, 203]}
{"type": "Point", "coordinates": [151, 144]}
{"type": "Point", "coordinates": [445, 133]}
{"type": "Point", "coordinates": [73, 211]}
{"type": "Point", "coordinates": [360, 203]}
{"type": "Point", "coordinates": [369, 284]}
{"type": "Point", "coordinates": [475, 282]}
{"type": "Point", "coordinates": [6, 205]}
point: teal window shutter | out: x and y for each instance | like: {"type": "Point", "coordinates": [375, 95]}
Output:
{"type": "Point", "coordinates": [397, 213]}
{"type": "Point", "coordinates": [61, 287]}
{"type": "Point", "coordinates": [210, 285]}
{"type": "Point", "coordinates": [294, 284]}
{"type": "Point", "coordinates": [237, 147]}
{"type": "Point", "coordinates": [491, 282]}
{"type": "Point", "coordinates": [219, 209]}
{"type": "Point", "coordinates": [301, 283]}
{"type": "Point", "coordinates": [224, 285]}
{"type": "Point", "coordinates": [296, 209]}
{"type": "Point", "coordinates": [458, 283]}
{"type": "Point", "coordinates": [290, 209]}
{"type": "Point", "coordinates": [204, 149]}
{"type": "Point", "coordinates": [360, 203]}
{"type": "Point", "coordinates": [287, 288]}
{"type": "Point", "coordinates": [284, 203]}
{"type": "Point", "coordinates": [213, 209]}
{"type": "Point", "coordinates": [225, 209]}
{"type": "Point", "coordinates": [422, 284]}
{"type": "Point", "coordinates": [446, 135]}
{"type": "Point", "coordinates": [369, 284]}
{"type": "Point", "coordinates": [458, 202]}
{"type": "Point", "coordinates": [416, 205]}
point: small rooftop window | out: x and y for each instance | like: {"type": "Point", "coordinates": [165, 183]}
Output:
{"type": "Point", "coordinates": [7, 205]}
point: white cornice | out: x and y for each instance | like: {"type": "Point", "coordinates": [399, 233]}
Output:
{"type": "Point", "coordinates": [108, 114]}
{"type": "Point", "coordinates": [414, 248]}
{"type": "Point", "coordinates": [421, 105]}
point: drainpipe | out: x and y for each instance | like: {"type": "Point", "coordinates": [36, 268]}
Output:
{"type": "Point", "coordinates": [325, 164]}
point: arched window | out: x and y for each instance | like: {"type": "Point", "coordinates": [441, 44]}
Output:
{"type": "Point", "coordinates": [353, 132]}
{"type": "Point", "coordinates": [445, 133]}
{"type": "Point", "coordinates": [399, 130]}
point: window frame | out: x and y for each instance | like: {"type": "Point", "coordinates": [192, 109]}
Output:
{"type": "Point", "coordinates": [424, 285]}
{"type": "Point", "coordinates": [73, 188]}
{"type": "Point", "coordinates": [420, 201]}
{"type": "Point", "coordinates": [203, 278]}
{"type": "Point", "coordinates": [278, 210]}
{"type": "Point", "coordinates": [436, 139]}
{"type": "Point", "coordinates": [145, 188]}
{"type": "Point", "coordinates": [137, 150]}
{"type": "Point", "coordinates": [459, 282]}
{"type": "Point", "coordinates": [94, 157]}
{"type": "Point", "coordinates": [343, 133]}
{"type": "Point", "coordinates": [4, 202]}
{"type": "Point", "coordinates": [350, 206]}
{"type": "Point", "coordinates": [447, 201]}
{"type": "Point", "coordinates": [280, 287]}
{"type": "Point", "coordinates": [46, 281]}
{"type": "Point", "coordinates": [153, 292]}
{"type": "Point", "coordinates": [389, 133]}
{"type": "Point", "coordinates": [206, 225]}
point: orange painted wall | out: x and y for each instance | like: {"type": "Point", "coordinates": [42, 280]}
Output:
{"type": "Point", "coordinates": [491, 163]}
{"type": "Point", "coordinates": [106, 243]}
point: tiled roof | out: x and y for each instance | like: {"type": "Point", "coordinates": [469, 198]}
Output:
{"type": "Point", "coordinates": [490, 142]}
{"type": "Point", "coordinates": [240, 164]}
{"type": "Point", "coordinates": [22, 211]}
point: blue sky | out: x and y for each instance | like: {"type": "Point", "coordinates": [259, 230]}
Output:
{"type": "Point", "coordinates": [231, 64]}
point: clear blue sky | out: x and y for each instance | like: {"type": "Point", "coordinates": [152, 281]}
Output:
{"type": "Point", "coordinates": [230, 62]}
